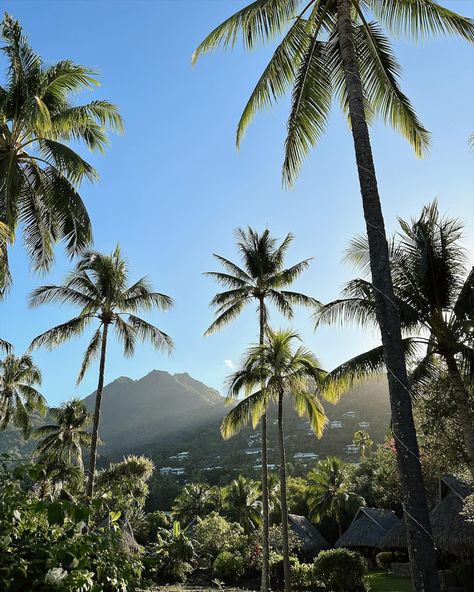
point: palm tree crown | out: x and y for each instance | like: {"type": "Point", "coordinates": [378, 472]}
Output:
{"type": "Point", "coordinates": [99, 286]}
{"type": "Point", "coordinates": [39, 173]}
{"type": "Point", "coordinates": [18, 395]}
{"type": "Point", "coordinates": [262, 277]}
{"type": "Point", "coordinates": [66, 438]}
{"type": "Point", "coordinates": [243, 503]}
{"type": "Point", "coordinates": [308, 60]}
{"type": "Point", "coordinates": [330, 492]}
{"type": "Point", "coordinates": [274, 369]}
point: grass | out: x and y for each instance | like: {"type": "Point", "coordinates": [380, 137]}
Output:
{"type": "Point", "coordinates": [380, 581]}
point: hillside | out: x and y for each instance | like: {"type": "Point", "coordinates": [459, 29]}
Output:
{"type": "Point", "coordinates": [153, 408]}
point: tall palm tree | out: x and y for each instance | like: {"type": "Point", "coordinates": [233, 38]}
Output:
{"type": "Point", "coordinates": [263, 279]}
{"type": "Point", "coordinates": [243, 503]}
{"type": "Point", "coordinates": [18, 395]}
{"type": "Point", "coordinates": [66, 438]}
{"type": "Point", "coordinates": [39, 173]}
{"type": "Point", "coordinates": [276, 368]}
{"type": "Point", "coordinates": [363, 440]}
{"type": "Point", "coordinates": [434, 293]}
{"type": "Point", "coordinates": [329, 492]}
{"type": "Point", "coordinates": [338, 48]}
{"type": "Point", "coordinates": [99, 285]}
{"type": "Point", "coordinates": [194, 501]}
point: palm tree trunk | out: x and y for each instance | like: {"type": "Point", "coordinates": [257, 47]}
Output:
{"type": "Point", "coordinates": [283, 499]}
{"type": "Point", "coordinates": [465, 414]}
{"type": "Point", "coordinates": [96, 420]}
{"type": "Point", "coordinates": [265, 584]}
{"type": "Point", "coordinates": [420, 542]}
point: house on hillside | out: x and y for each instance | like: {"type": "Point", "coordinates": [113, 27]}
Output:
{"type": "Point", "coordinates": [349, 414]}
{"type": "Point", "coordinates": [352, 449]}
{"type": "Point", "coordinates": [367, 530]}
{"type": "Point", "coordinates": [452, 533]}
{"type": "Point", "coordinates": [364, 424]}
{"type": "Point", "coordinates": [172, 471]}
{"type": "Point", "coordinates": [313, 541]}
{"type": "Point", "coordinates": [335, 425]}
{"type": "Point", "coordinates": [305, 456]}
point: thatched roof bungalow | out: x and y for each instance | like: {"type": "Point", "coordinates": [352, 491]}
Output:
{"type": "Point", "coordinates": [367, 530]}
{"type": "Point", "coordinates": [313, 541]}
{"type": "Point", "coordinates": [451, 532]}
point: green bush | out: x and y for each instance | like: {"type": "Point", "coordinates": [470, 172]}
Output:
{"type": "Point", "coordinates": [215, 534]}
{"type": "Point", "coordinates": [169, 559]}
{"type": "Point", "coordinates": [48, 544]}
{"type": "Point", "coordinates": [302, 574]}
{"type": "Point", "coordinates": [384, 560]}
{"type": "Point", "coordinates": [340, 570]}
{"type": "Point", "coordinates": [229, 567]}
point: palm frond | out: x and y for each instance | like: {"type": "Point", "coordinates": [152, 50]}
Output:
{"type": "Point", "coordinates": [61, 333]}
{"type": "Point", "coordinates": [249, 410]}
{"type": "Point", "coordinates": [146, 331]}
{"type": "Point", "coordinates": [226, 317]}
{"type": "Point", "coordinates": [91, 353]}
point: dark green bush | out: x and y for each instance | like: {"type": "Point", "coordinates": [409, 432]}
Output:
{"type": "Point", "coordinates": [384, 559]}
{"type": "Point", "coordinates": [229, 567]}
{"type": "Point", "coordinates": [341, 570]}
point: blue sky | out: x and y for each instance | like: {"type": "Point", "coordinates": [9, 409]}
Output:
{"type": "Point", "coordinates": [173, 187]}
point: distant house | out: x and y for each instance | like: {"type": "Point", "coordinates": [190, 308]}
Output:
{"type": "Point", "coordinates": [172, 471]}
{"type": "Point", "coordinates": [182, 455]}
{"type": "Point", "coordinates": [352, 449]}
{"type": "Point", "coordinates": [335, 425]}
{"type": "Point", "coordinates": [452, 533]}
{"type": "Point", "coordinates": [349, 414]}
{"type": "Point", "coordinates": [364, 424]}
{"type": "Point", "coordinates": [305, 456]}
{"type": "Point", "coordinates": [251, 451]}
{"type": "Point", "coordinates": [270, 466]}
{"type": "Point", "coordinates": [313, 541]}
{"type": "Point", "coordinates": [368, 529]}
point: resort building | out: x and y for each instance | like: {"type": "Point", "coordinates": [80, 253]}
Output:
{"type": "Point", "coordinates": [305, 456]}
{"type": "Point", "coordinates": [172, 471]}
{"type": "Point", "coordinates": [335, 425]}
{"type": "Point", "coordinates": [368, 530]}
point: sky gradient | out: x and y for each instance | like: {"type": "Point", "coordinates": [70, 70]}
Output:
{"type": "Point", "coordinates": [173, 187]}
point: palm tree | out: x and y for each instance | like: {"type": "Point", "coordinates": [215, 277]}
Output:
{"type": "Point", "coordinates": [363, 441]}
{"type": "Point", "coordinates": [39, 173]}
{"type": "Point", "coordinates": [68, 436]}
{"type": "Point", "coordinates": [99, 286]}
{"type": "Point", "coordinates": [18, 395]}
{"type": "Point", "coordinates": [434, 293]}
{"type": "Point", "coordinates": [337, 48]}
{"type": "Point", "coordinates": [277, 368]}
{"type": "Point", "coordinates": [262, 279]}
{"type": "Point", "coordinates": [243, 503]}
{"type": "Point", "coordinates": [329, 492]}
{"type": "Point", "coordinates": [194, 501]}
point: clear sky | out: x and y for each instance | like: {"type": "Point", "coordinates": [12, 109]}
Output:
{"type": "Point", "coordinates": [173, 187]}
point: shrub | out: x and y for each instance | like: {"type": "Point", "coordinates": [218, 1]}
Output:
{"type": "Point", "coordinates": [169, 560]}
{"type": "Point", "coordinates": [229, 567]}
{"type": "Point", "coordinates": [341, 570]}
{"type": "Point", "coordinates": [215, 534]}
{"type": "Point", "coordinates": [384, 560]}
{"type": "Point", "coordinates": [302, 574]}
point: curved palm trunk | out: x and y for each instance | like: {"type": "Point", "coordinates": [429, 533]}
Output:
{"type": "Point", "coordinates": [284, 502]}
{"type": "Point", "coordinates": [466, 418]}
{"type": "Point", "coordinates": [420, 542]}
{"type": "Point", "coordinates": [265, 584]}
{"type": "Point", "coordinates": [96, 420]}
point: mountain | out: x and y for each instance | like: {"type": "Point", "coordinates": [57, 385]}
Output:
{"type": "Point", "coordinates": [153, 408]}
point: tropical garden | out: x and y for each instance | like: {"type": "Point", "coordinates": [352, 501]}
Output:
{"type": "Point", "coordinates": [402, 516]}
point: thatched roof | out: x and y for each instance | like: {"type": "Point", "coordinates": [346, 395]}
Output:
{"type": "Point", "coordinates": [368, 528]}
{"type": "Point", "coordinates": [396, 537]}
{"type": "Point", "coordinates": [451, 532]}
{"type": "Point", "coordinates": [313, 540]}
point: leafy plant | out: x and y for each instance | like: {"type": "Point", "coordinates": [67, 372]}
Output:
{"type": "Point", "coordinates": [229, 567]}
{"type": "Point", "coordinates": [341, 570]}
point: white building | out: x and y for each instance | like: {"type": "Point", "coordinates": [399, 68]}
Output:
{"type": "Point", "coordinates": [305, 456]}
{"type": "Point", "coordinates": [352, 449]}
{"type": "Point", "coordinates": [350, 414]}
{"type": "Point", "coordinates": [182, 455]}
{"type": "Point", "coordinates": [364, 424]}
{"type": "Point", "coordinates": [172, 471]}
{"type": "Point", "coordinates": [335, 425]}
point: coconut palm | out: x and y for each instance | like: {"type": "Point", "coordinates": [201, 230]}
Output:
{"type": "Point", "coordinates": [66, 438]}
{"type": "Point", "coordinates": [277, 369]}
{"type": "Point", "coordinates": [434, 293]}
{"type": "Point", "coordinates": [18, 395]}
{"type": "Point", "coordinates": [329, 492]}
{"type": "Point", "coordinates": [263, 279]}
{"type": "Point", "coordinates": [243, 503]}
{"type": "Point", "coordinates": [338, 49]}
{"type": "Point", "coordinates": [194, 501]}
{"type": "Point", "coordinates": [363, 441]}
{"type": "Point", "coordinates": [39, 173]}
{"type": "Point", "coordinates": [99, 285]}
